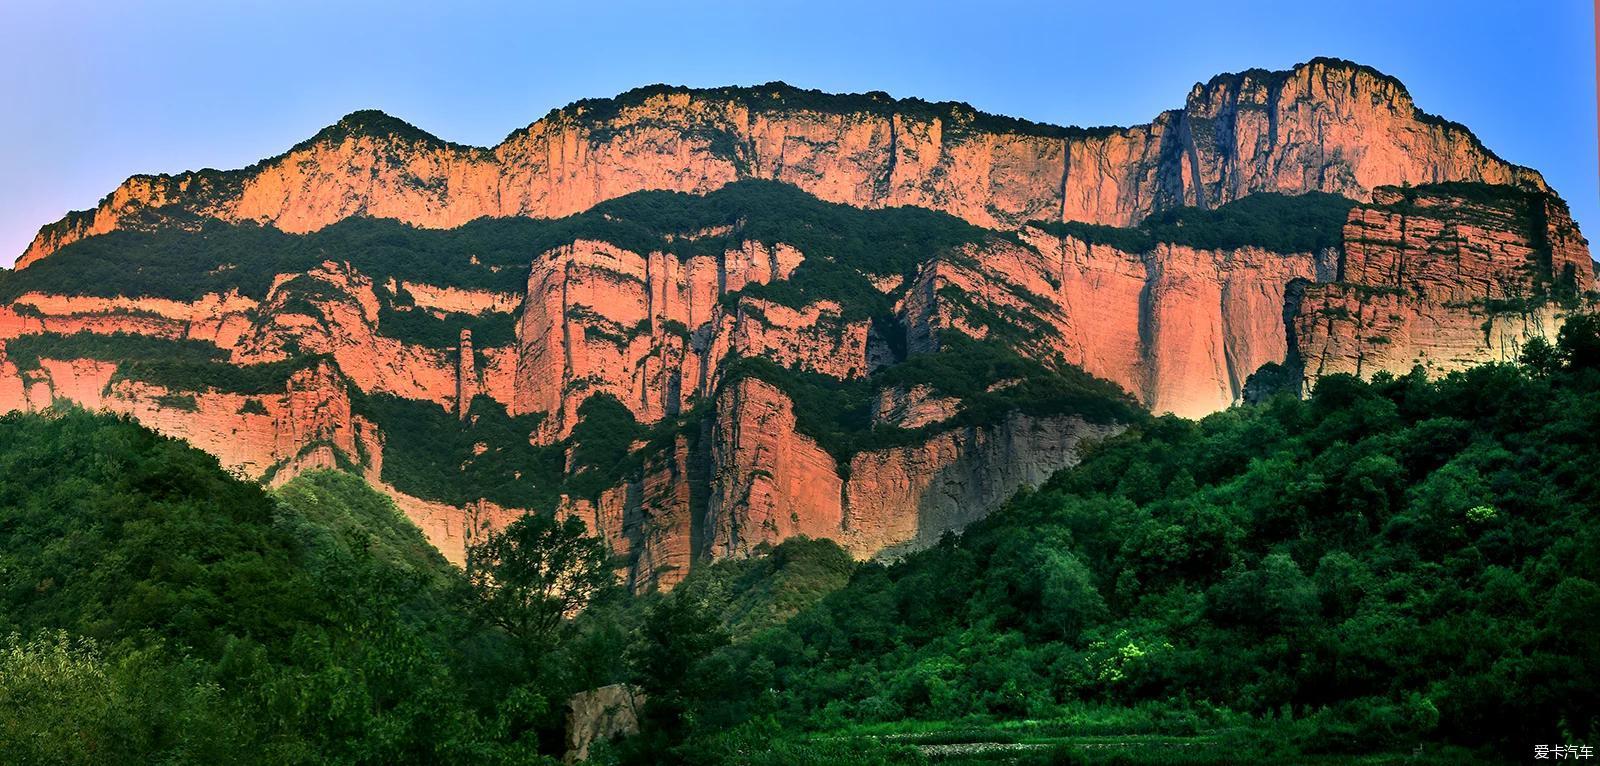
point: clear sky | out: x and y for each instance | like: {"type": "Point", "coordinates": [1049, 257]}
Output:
{"type": "Point", "coordinates": [92, 92]}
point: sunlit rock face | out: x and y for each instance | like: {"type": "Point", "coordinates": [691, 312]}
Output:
{"type": "Point", "coordinates": [1325, 125]}
{"type": "Point", "coordinates": [1442, 280]}
{"type": "Point", "coordinates": [318, 370]}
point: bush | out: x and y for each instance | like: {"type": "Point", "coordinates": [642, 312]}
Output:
{"type": "Point", "coordinates": [1283, 223]}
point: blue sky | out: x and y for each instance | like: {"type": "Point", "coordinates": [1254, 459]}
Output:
{"type": "Point", "coordinates": [93, 94]}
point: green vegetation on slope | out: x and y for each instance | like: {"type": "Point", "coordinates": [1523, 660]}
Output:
{"type": "Point", "coordinates": [400, 318]}
{"type": "Point", "coordinates": [841, 244]}
{"type": "Point", "coordinates": [178, 364]}
{"type": "Point", "coordinates": [336, 515]}
{"type": "Point", "coordinates": [1382, 565]}
{"type": "Point", "coordinates": [1284, 223]}
{"type": "Point", "coordinates": [989, 379]}
{"type": "Point", "coordinates": [156, 610]}
{"type": "Point", "coordinates": [430, 452]}
{"type": "Point", "coordinates": [754, 594]}
{"type": "Point", "coordinates": [162, 611]}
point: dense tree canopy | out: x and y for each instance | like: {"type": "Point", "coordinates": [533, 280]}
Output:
{"type": "Point", "coordinates": [1383, 564]}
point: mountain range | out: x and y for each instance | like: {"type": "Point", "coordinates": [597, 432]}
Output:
{"type": "Point", "coordinates": [708, 320]}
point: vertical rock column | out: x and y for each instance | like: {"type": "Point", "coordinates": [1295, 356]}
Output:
{"type": "Point", "coordinates": [466, 376]}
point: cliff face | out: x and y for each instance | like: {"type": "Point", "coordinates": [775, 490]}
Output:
{"type": "Point", "coordinates": [1325, 125]}
{"type": "Point", "coordinates": [697, 387]}
{"type": "Point", "coordinates": [769, 482]}
{"type": "Point", "coordinates": [1179, 327]}
{"type": "Point", "coordinates": [1442, 278]}
{"type": "Point", "coordinates": [604, 320]}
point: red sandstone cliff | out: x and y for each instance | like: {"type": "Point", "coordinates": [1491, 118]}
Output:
{"type": "Point", "coordinates": [1325, 125]}
{"type": "Point", "coordinates": [1444, 281]}
{"type": "Point", "coordinates": [1442, 276]}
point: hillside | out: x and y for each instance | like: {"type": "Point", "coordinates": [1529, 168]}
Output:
{"type": "Point", "coordinates": [1374, 569]}
{"type": "Point", "coordinates": [1344, 578]}
{"type": "Point", "coordinates": [155, 609]}
{"type": "Point", "coordinates": [158, 610]}
{"type": "Point", "coordinates": [673, 315]}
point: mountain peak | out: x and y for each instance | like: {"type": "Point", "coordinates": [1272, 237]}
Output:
{"type": "Point", "coordinates": [677, 138]}
{"type": "Point", "coordinates": [1275, 78]}
{"type": "Point", "coordinates": [373, 123]}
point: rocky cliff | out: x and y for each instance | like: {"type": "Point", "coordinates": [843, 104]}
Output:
{"type": "Point", "coordinates": [697, 375]}
{"type": "Point", "coordinates": [1444, 277]}
{"type": "Point", "coordinates": [1326, 125]}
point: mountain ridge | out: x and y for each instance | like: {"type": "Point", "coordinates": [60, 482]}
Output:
{"type": "Point", "coordinates": [989, 169]}
{"type": "Point", "coordinates": [704, 324]}
{"type": "Point", "coordinates": [697, 375]}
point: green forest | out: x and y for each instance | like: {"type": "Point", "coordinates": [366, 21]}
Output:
{"type": "Point", "coordinates": [1386, 568]}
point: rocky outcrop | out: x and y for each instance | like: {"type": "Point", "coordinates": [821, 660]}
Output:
{"type": "Point", "coordinates": [603, 320]}
{"type": "Point", "coordinates": [651, 521]}
{"type": "Point", "coordinates": [221, 319]}
{"type": "Point", "coordinates": [1181, 328]}
{"type": "Point", "coordinates": [600, 715]}
{"type": "Point", "coordinates": [724, 371]}
{"type": "Point", "coordinates": [1443, 278]}
{"type": "Point", "coordinates": [254, 435]}
{"type": "Point", "coordinates": [1213, 318]}
{"type": "Point", "coordinates": [954, 478]}
{"type": "Point", "coordinates": [770, 482]}
{"type": "Point", "coordinates": [466, 375]}
{"type": "Point", "coordinates": [913, 407]}
{"type": "Point", "coordinates": [1325, 125]}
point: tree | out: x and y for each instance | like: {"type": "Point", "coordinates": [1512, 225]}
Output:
{"type": "Point", "coordinates": [1579, 341]}
{"type": "Point", "coordinates": [1067, 592]}
{"type": "Point", "coordinates": [1540, 357]}
{"type": "Point", "coordinates": [535, 572]}
{"type": "Point", "coordinates": [666, 660]}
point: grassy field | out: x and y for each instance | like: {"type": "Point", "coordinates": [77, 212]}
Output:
{"type": "Point", "coordinates": [1088, 740]}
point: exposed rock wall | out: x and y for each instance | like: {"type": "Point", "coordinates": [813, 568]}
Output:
{"type": "Point", "coordinates": [651, 521]}
{"type": "Point", "coordinates": [1322, 126]}
{"type": "Point", "coordinates": [1444, 276]}
{"type": "Point", "coordinates": [603, 320]}
{"type": "Point", "coordinates": [600, 715]}
{"type": "Point", "coordinates": [1443, 281]}
{"type": "Point", "coordinates": [770, 482]}
{"type": "Point", "coordinates": [1179, 327]}
{"type": "Point", "coordinates": [253, 435]}
{"type": "Point", "coordinates": [1441, 276]}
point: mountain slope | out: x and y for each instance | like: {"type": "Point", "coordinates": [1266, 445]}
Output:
{"type": "Point", "coordinates": [1325, 125]}
{"type": "Point", "coordinates": [696, 375]}
{"type": "Point", "coordinates": [158, 610]}
{"type": "Point", "coordinates": [1379, 566]}
{"type": "Point", "coordinates": [755, 349]}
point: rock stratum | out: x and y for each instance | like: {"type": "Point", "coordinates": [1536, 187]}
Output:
{"type": "Point", "coordinates": [705, 321]}
{"type": "Point", "coordinates": [1327, 125]}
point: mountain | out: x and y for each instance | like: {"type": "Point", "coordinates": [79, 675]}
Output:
{"type": "Point", "coordinates": [707, 320]}
{"type": "Point", "coordinates": [1374, 569]}
{"type": "Point", "coordinates": [1326, 125]}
